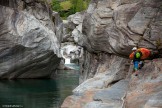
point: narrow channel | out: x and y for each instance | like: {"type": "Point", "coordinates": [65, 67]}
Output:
{"type": "Point", "coordinates": [39, 93]}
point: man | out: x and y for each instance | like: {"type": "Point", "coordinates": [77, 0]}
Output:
{"type": "Point", "coordinates": [136, 57]}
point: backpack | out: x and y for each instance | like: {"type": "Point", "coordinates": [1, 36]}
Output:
{"type": "Point", "coordinates": [145, 53]}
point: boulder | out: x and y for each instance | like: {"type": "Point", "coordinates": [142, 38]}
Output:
{"type": "Point", "coordinates": [29, 46]}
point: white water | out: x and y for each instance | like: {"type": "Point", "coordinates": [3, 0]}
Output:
{"type": "Point", "coordinates": [67, 60]}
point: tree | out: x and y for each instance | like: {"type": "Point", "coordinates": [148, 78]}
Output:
{"type": "Point", "coordinates": [73, 8]}
{"type": "Point", "coordinates": [79, 6]}
{"type": "Point", "coordinates": [56, 5]}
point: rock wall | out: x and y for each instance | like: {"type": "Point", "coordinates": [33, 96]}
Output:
{"type": "Point", "coordinates": [30, 39]}
{"type": "Point", "coordinates": [110, 29]}
{"type": "Point", "coordinates": [115, 26]}
{"type": "Point", "coordinates": [145, 91]}
{"type": "Point", "coordinates": [110, 70]}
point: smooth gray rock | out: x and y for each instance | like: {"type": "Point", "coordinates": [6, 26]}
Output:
{"type": "Point", "coordinates": [95, 104]}
{"type": "Point", "coordinates": [73, 28]}
{"type": "Point", "coordinates": [142, 19]}
{"type": "Point", "coordinates": [154, 101]}
{"type": "Point", "coordinates": [116, 93]}
{"type": "Point", "coordinates": [115, 26]}
{"type": "Point", "coordinates": [112, 28]}
{"type": "Point", "coordinates": [75, 19]}
{"type": "Point", "coordinates": [115, 72]}
{"type": "Point", "coordinates": [29, 46]}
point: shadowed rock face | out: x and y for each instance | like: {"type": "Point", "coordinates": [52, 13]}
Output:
{"type": "Point", "coordinates": [29, 47]}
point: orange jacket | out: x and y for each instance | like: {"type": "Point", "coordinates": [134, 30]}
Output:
{"type": "Point", "coordinates": [145, 53]}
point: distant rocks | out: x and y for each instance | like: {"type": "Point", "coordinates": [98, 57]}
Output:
{"type": "Point", "coordinates": [70, 48]}
{"type": "Point", "coordinates": [71, 51]}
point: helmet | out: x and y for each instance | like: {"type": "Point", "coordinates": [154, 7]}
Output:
{"type": "Point", "coordinates": [134, 48]}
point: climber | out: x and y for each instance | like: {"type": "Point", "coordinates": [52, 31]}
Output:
{"type": "Point", "coordinates": [136, 56]}
{"type": "Point", "coordinates": [139, 55]}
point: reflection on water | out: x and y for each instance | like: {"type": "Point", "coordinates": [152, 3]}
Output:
{"type": "Point", "coordinates": [38, 93]}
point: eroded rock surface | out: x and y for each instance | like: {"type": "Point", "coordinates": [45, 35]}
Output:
{"type": "Point", "coordinates": [85, 94]}
{"type": "Point", "coordinates": [115, 26]}
{"type": "Point", "coordinates": [30, 41]}
{"type": "Point", "coordinates": [110, 29]}
{"type": "Point", "coordinates": [144, 91]}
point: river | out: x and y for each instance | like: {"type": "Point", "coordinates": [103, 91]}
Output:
{"type": "Point", "coordinates": [38, 93]}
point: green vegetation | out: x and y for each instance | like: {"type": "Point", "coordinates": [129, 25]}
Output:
{"type": "Point", "coordinates": [68, 7]}
{"type": "Point", "coordinates": [56, 5]}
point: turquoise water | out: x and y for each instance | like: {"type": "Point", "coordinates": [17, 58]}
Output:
{"type": "Point", "coordinates": [38, 93]}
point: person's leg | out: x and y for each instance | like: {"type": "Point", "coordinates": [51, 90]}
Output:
{"type": "Point", "coordinates": [140, 64]}
{"type": "Point", "coordinates": [136, 67]}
